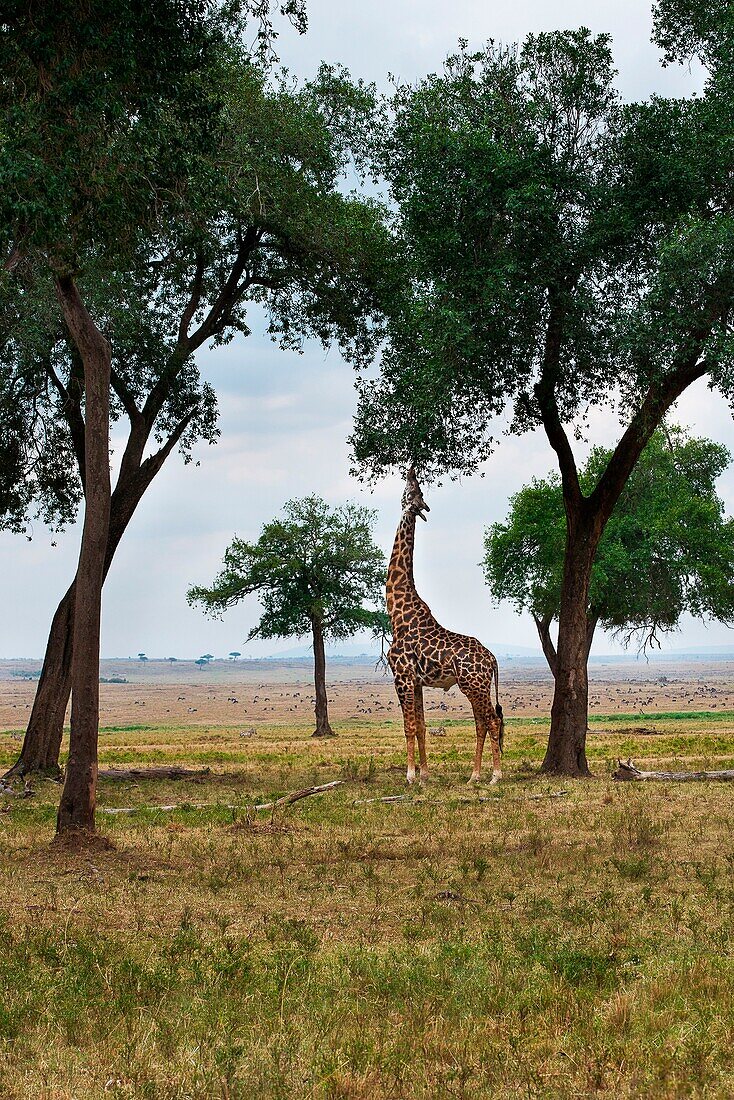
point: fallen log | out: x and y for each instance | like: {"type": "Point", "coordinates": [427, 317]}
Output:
{"type": "Point", "coordinates": [27, 792]}
{"type": "Point", "coordinates": [285, 800]}
{"type": "Point", "coordinates": [164, 809]}
{"type": "Point", "coordinates": [153, 773]}
{"type": "Point", "coordinates": [464, 801]}
{"type": "Point", "coordinates": [387, 798]}
{"type": "Point", "coordinates": [294, 796]}
{"type": "Point", "coordinates": [626, 770]}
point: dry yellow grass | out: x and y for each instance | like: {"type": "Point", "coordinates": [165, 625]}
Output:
{"type": "Point", "coordinates": [526, 946]}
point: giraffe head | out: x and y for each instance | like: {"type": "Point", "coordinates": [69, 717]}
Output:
{"type": "Point", "coordinates": [413, 502]}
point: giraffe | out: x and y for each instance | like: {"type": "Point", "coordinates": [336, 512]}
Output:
{"type": "Point", "coordinates": [425, 654]}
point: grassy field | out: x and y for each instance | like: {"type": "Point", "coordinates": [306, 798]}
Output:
{"type": "Point", "coordinates": [522, 946]}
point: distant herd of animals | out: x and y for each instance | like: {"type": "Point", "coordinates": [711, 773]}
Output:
{"type": "Point", "coordinates": [424, 654]}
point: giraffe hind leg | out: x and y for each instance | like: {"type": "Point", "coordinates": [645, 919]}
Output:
{"type": "Point", "coordinates": [481, 728]}
{"type": "Point", "coordinates": [495, 726]}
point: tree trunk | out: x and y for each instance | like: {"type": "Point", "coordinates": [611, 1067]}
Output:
{"type": "Point", "coordinates": [78, 799]}
{"type": "Point", "coordinates": [323, 729]}
{"type": "Point", "coordinates": [566, 752]}
{"type": "Point", "coordinates": [42, 741]}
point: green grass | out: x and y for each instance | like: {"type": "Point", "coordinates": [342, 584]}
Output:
{"type": "Point", "coordinates": [523, 947]}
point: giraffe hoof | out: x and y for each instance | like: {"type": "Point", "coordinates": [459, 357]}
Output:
{"type": "Point", "coordinates": [410, 780]}
{"type": "Point", "coordinates": [496, 776]}
{"type": "Point", "coordinates": [472, 781]}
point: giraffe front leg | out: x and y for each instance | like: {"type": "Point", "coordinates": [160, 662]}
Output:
{"type": "Point", "coordinates": [406, 694]}
{"type": "Point", "coordinates": [420, 731]}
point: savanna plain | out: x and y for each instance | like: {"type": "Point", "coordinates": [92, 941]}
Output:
{"type": "Point", "coordinates": [533, 939]}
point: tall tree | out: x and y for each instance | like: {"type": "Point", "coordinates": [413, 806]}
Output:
{"type": "Point", "coordinates": [316, 571]}
{"type": "Point", "coordinates": [263, 226]}
{"type": "Point", "coordinates": [86, 90]}
{"type": "Point", "coordinates": [168, 111]}
{"type": "Point", "coordinates": [561, 251]}
{"type": "Point", "coordinates": [667, 549]}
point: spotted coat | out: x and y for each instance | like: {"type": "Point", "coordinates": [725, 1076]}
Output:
{"type": "Point", "coordinates": [424, 654]}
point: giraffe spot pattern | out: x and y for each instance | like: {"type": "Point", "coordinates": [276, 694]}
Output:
{"type": "Point", "coordinates": [425, 654]}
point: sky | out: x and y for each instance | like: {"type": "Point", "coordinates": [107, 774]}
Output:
{"type": "Point", "coordinates": [285, 418]}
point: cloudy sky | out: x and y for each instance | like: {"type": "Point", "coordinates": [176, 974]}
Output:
{"type": "Point", "coordinates": [285, 418]}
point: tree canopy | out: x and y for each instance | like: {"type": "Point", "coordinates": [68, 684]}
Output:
{"type": "Point", "coordinates": [667, 549]}
{"type": "Point", "coordinates": [261, 225]}
{"type": "Point", "coordinates": [560, 250]}
{"type": "Point", "coordinates": [315, 563]}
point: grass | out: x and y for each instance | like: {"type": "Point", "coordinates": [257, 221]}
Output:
{"type": "Point", "coordinates": [526, 946]}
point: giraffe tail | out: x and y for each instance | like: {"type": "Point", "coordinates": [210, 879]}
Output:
{"type": "Point", "coordinates": [498, 708]}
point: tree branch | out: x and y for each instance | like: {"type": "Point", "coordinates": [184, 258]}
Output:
{"type": "Point", "coordinates": [72, 410]}
{"type": "Point", "coordinates": [193, 303]}
{"type": "Point", "coordinates": [125, 396]}
{"type": "Point", "coordinates": [543, 627]}
{"type": "Point", "coordinates": [545, 393]}
{"type": "Point", "coordinates": [656, 403]}
{"type": "Point", "coordinates": [229, 293]}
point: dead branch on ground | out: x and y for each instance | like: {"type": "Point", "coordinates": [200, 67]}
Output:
{"type": "Point", "coordinates": [626, 770]}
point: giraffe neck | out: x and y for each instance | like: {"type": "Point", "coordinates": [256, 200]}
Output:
{"type": "Point", "coordinates": [400, 583]}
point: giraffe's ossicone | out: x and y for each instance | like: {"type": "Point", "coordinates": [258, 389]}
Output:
{"type": "Point", "coordinates": [424, 654]}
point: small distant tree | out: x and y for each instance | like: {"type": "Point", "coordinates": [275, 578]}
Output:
{"type": "Point", "coordinates": [667, 548]}
{"type": "Point", "coordinates": [234, 655]}
{"type": "Point", "coordinates": [317, 570]}
{"type": "Point", "coordinates": [200, 663]}
{"type": "Point", "coordinates": [142, 657]}
{"type": "Point", "coordinates": [171, 659]}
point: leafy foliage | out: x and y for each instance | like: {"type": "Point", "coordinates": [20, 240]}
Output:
{"type": "Point", "coordinates": [667, 548]}
{"type": "Point", "coordinates": [102, 105]}
{"type": "Point", "coordinates": [258, 221]}
{"type": "Point", "coordinates": [559, 249]}
{"type": "Point", "coordinates": [316, 563]}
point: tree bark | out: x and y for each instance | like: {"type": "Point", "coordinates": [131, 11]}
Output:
{"type": "Point", "coordinates": [79, 796]}
{"type": "Point", "coordinates": [42, 742]}
{"type": "Point", "coordinates": [323, 728]}
{"type": "Point", "coordinates": [566, 751]}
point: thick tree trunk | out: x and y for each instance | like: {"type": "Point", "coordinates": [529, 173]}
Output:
{"type": "Point", "coordinates": [78, 799]}
{"type": "Point", "coordinates": [323, 729]}
{"type": "Point", "coordinates": [42, 741]}
{"type": "Point", "coordinates": [566, 752]}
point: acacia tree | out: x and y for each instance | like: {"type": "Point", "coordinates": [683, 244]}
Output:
{"type": "Point", "coordinates": [316, 571]}
{"type": "Point", "coordinates": [87, 90]}
{"type": "Point", "coordinates": [667, 548]}
{"type": "Point", "coordinates": [247, 211]}
{"type": "Point", "coordinates": [561, 251]}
